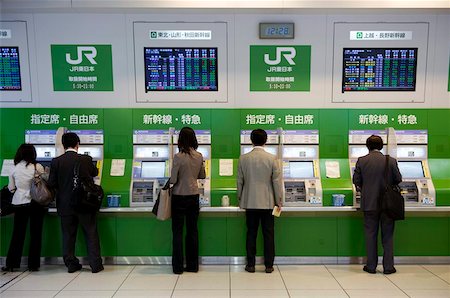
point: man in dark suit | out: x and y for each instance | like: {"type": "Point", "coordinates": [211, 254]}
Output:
{"type": "Point", "coordinates": [61, 178]}
{"type": "Point", "coordinates": [369, 178]}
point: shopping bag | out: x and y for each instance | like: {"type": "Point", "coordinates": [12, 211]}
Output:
{"type": "Point", "coordinates": [164, 203]}
{"type": "Point", "coordinates": [6, 207]}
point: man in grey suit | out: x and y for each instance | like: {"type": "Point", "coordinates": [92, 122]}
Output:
{"type": "Point", "coordinates": [259, 189]}
{"type": "Point", "coordinates": [369, 178]}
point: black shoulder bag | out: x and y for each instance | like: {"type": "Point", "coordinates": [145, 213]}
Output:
{"type": "Point", "coordinates": [392, 201]}
{"type": "Point", "coordinates": [87, 195]}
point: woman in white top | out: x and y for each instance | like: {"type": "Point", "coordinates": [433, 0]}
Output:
{"type": "Point", "coordinates": [25, 210]}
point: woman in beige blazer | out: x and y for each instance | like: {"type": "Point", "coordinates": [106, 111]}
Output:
{"type": "Point", "coordinates": [187, 168]}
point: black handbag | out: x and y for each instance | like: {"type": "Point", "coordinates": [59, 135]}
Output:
{"type": "Point", "coordinates": [392, 202]}
{"type": "Point", "coordinates": [6, 206]}
{"type": "Point", "coordinates": [87, 196]}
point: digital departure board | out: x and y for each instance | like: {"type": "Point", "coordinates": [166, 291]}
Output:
{"type": "Point", "coordinates": [180, 69]}
{"type": "Point", "coordinates": [379, 69]}
{"type": "Point", "coordinates": [10, 69]}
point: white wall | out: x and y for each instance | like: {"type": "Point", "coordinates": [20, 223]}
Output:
{"type": "Point", "coordinates": [313, 28]}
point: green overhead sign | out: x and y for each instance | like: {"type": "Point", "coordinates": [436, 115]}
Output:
{"type": "Point", "coordinates": [280, 68]}
{"type": "Point", "coordinates": [82, 68]}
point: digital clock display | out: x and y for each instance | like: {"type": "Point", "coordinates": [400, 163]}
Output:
{"type": "Point", "coordinates": [276, 30]}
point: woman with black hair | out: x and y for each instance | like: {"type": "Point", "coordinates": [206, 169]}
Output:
{"type": "Point", "coordinates": [25, 209]}
{"type": "Point", "coordinates": [187, 168]}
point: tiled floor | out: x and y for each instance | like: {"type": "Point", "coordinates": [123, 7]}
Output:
{"type": "Point", "coordinates": [230, 281]}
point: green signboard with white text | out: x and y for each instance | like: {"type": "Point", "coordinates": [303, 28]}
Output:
{"type": "Point", "coordinates": [82, 67]}
{"type": "Point", "coordinates": [280, 68]}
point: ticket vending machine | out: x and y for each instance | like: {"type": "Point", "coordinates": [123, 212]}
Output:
{"type": "Point", "coordinates": [204, 147]}
{"type": "Point", "coordinates": [357, 148]}
{"type": "Point", "coordinates": [152, 155]}
{"type": "Point", "coordinates": [301, 170]}
{"type": "Point", "coordinates": [91, 143]}
{"type": "Point", "coordinates": [412, 156]}
{"type": "Point", "coordinates": [44, 142]}
{"type": "Point", "coordinates": [271, 146]}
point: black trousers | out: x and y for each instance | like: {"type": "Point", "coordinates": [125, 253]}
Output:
{"type": "Point", "coordinates": [372, 222]}
{"type": "Point", "coordinates": [253, 217]}
{"type": "Point", "coordinates": [69, 226]}
{"type": "Point", "coordinates": [34, 213]}
{"type": "Point", "coordinates": [185, 207]}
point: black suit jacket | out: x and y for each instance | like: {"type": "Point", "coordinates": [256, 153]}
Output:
{"type": "Point", "coordinates": [369, 177]}
{"type": "Point", "coordinates": [61, 178]}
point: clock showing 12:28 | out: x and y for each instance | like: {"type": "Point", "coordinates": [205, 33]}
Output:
{"type": "Point", "coordinates": [276, 30]}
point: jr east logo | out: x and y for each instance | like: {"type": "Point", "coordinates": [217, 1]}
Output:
{"type": "Point", "coordinates": [288, 53]}
{"type": "Point", "coordinates": [280, 68]}
{"type": "Point", "coordinates": [88, 52]}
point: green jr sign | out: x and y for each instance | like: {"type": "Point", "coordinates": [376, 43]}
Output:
{"type": "Point", "coordinates": [82, 68]}
{"type": "Point", "coordinates": [280, 68]}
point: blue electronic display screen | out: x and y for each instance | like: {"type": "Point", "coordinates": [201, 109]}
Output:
{"type": "Point", "coordinates": [379, 69]}
{"type": "Point", "coordinates": [180, 69]}
{"type": "Point", "coordinates": [10, 69]}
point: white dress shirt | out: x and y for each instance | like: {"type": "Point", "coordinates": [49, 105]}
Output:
{"type": "Point", "coordinates": [20, 181]}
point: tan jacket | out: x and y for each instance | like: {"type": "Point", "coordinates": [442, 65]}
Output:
{"type": "Point", "coordinates": [259, 180]}
{"type": "Point", "coordinates": [187, 168]}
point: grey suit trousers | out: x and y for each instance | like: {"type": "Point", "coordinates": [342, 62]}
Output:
{"type": "Point", "coordinates": [372, 221]}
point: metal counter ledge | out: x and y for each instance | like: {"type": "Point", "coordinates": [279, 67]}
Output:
{"type": "Point", "coordinates": [284, 209]}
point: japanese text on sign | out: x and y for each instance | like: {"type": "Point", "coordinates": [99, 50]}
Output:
{"type": "Point", "coordinates": [185, 119]}
{"type": "Point", "coordinates": [383, 119]}
{"type": "Point", "coordinates": [271, 119]}
{"type": "Point", "coordinates": [56, 119]}
{"type": "Point", "coordinates": [181, 34]}
{"type": "Point", "coordinates": [380, 35]}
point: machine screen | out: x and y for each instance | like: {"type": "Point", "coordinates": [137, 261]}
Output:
{"type": "Point", "coordinates": [153, 169]}
{"type": "Point", "coordinates": [270, 149]}
{"type": "Point", "coordinates": [411, 169]}
{"type": "Point", "coordinates": [10, 69]}
{"type": "Point", "coordinates": [301, 169]}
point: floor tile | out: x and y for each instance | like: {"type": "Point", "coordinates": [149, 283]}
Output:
{"type": "Point", "coordinates": [308, 277]}
{"type": "Point", "coordinates": [144, 293]}
{"type": "Point", "coordinates": [85, 294]}
{"type": "Point", "coordinates": [317, 293]}
{"type": "Point", "coordinates": [201, 293]}
{"type": "Point", "coordinates": [208, 277]}
{"type": "Point", "coordinates": [38, 281]}
{"type": "Point", "coordinates": [96, 282]}
{"type": "Point", "coordinates": [7, 279]}
{"type": "Point", "coordinates": [149, 282]}
{"type": "Point", "coordinates": [241, 280]}
{"type": "Point", "coordinates": [428, 293]}
{"type": "Point", "coordinates": [353, 277]}
{"type": "Point", "coordinates": [28, 294]}
{"type": "Point", "coordinates": [416, 277]}
{"type": "Point", "coordinates": [151, 270]}
{"type": "Point", "coordinates": [397, 293]}
{"type": "Point", "coordinates": [259, 293]}
{"type": "Point", "coordinates": [442, 271]}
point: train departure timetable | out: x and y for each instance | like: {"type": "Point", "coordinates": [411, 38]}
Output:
{"type": "Point", "coordinates": [379, 69]}
{"type": "Point", "coordinates": [180, 69]}
{"type": "Point", "coordinates": [10, 69]}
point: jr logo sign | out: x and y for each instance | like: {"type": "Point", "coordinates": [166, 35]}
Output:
{"type": "Point", "coordinates": [82, 67]}
{"type": "Point", "coordinates": [280, 68]}
{"type": "Point", "coordinates": [89, 52]}
{"type": "Point", "coordinates": [287, 52]}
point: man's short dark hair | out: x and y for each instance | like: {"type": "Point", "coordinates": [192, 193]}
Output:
{"type": "Point", "coordinates": [70, 140]}
{"type": "Point", "coordinates": [374, 142]}
{"type": "Point", "coordinates": [258, 137]}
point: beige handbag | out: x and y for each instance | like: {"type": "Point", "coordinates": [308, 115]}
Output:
{"type": "Point", "coordinates": [163, 205]}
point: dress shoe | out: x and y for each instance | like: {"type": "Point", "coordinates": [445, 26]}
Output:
{"type": "Point", "coordinates": [194, 270]}
{"type": "Point", "coordinates": [389, 271]}
{"type": "Point", "coordinates": [97, 269]}
{"type": "Point", "coordinates": [7, 269]}
{"type": "Point", "coordinates": [74, 268]}
{"type": "Point", "coordinates": [177, 272]}
{"type": "Point", "coordinates": [269, 269]}
{"type": "Point", "coordinates": [33, 269]}
{"type": "Point", "coordinates": [250, 269]}
{"type": "Point", "coordinates": [371, 271]}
